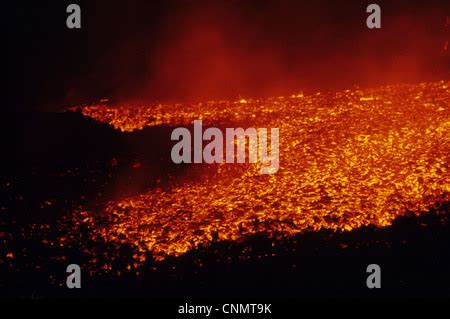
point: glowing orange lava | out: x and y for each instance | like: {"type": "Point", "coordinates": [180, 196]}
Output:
{"type": "Point", "coordinates": [347, 159]}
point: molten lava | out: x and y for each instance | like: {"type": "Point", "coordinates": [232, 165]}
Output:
{"type": "Point", "coordinates": [347, 159]}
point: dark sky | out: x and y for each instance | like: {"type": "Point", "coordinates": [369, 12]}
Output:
{"type": "Point", "coordinates": [179, 50]}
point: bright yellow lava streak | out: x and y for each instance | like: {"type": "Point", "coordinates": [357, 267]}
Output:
{"type": "Point", "coordinates": [347, 159]}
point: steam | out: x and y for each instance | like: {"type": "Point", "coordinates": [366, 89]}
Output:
{"type": "Point", "coordinates": [228, 51]}
{"type": "Point", "coordinates": [202, 50]}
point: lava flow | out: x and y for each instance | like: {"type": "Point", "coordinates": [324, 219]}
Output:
{"type": "Point", "coordinates": [347, 159]}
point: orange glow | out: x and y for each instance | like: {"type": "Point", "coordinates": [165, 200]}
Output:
{"type": "Point", "coordinates": [347, 159]}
